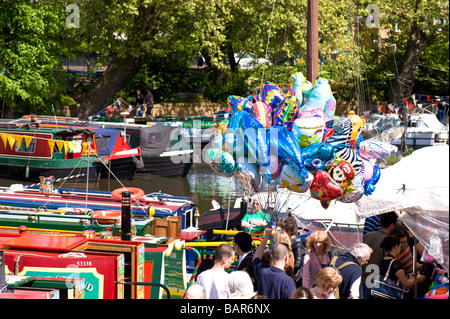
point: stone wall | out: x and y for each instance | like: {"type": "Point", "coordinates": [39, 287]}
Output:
{"type": "Point", "coordinates": [187, 109]}
{"type": "Point", "coordinates": [208, 109]}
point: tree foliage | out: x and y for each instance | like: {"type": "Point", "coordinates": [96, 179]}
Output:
{"type": "Point", "coordinates": [32, 40]}
{"type": "Point", "coordinates": [152, 43]}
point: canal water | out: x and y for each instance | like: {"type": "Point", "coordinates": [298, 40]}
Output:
{"type": "Point", "coordinates": [202, 185]}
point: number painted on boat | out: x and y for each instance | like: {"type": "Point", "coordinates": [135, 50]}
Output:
{"type": "Point", "coordinates": [84, 263]}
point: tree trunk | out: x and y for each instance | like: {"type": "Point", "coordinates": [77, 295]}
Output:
{"type": "Point", "coordinates": [120, 69]}
{"type": "Point", "coordinates": [402, 88]}
{"type": "Point", "coordinates": [99, 97]}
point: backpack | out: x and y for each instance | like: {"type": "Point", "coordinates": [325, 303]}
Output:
{"type": "Point", "coordinates": [332, 264]}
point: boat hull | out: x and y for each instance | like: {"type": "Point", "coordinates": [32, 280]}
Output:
{"type": "Point", "coordinates": [167, 165]}
{"type": "Point", "coordinates": [18, 172]}
{"type": "Point", "coordinates": [122, 168]}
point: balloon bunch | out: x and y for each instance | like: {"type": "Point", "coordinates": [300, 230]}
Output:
{"type": "Point", "coordinates": [295, 141]}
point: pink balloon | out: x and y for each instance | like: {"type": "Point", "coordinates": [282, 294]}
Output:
{"type": "Point", "coordinates": [368, 171]}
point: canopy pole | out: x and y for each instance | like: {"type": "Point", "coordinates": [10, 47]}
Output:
{"type": "Point", "coordinates": [414, 266]}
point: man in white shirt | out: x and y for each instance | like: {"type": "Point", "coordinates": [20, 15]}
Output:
{"type": "Point", "coordinates": [215, 280]}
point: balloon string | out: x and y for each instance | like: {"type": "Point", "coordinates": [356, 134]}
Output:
{"type": "Point", "coordinates": [267, 49]}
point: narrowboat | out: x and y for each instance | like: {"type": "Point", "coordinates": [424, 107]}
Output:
{"type": "Point", "coordinates": [123, 160]}
{"type": "Point", "coordinates": [18, 203]}
{"type": "Point", "coordinates": [28, 151]}
{"type": "Point", "coordinates": [164, 149]}
{"type": "Point", "coordinates": [91, 268]}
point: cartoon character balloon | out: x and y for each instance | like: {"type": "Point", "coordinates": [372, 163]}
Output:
{"type": "Point", "coordinates": [371, 149]}
{"type": "Point", "coordinates": [321, 98]}
{"type": "Point", "coordinates": [343, 128]}
{"type": "Point", "coordinates": [221, 162]}
{"type": "Point", "coordinates": [324, 188]}
{"type": "Point", "coordinates": [308, 130]}
{"type": "Point", "coordinates": [300, 84]}
{"type": "Point", "coordinates": [342, 173]}
{"type": "Point", "coordinates": [358, 124]}
{"type": "Point", "coordinates": [293, 179]}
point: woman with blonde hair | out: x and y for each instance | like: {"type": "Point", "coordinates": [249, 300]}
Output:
{"type": "Point", "coordinates": [328, 280]}
{"type": "Point", "coordinates": [318, 257]}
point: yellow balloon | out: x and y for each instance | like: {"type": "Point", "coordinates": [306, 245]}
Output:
{"type": "Point", "coordinates": [358, 124]}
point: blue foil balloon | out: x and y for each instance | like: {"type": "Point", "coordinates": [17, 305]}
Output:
{"type": "Point", "coordinates": [254, 136]}
{"type": "Point", "coordinates": [369, 187]}
{"type": "Point", "coordinates": [319, 156]}
{"type": "Point", "coordinates": [282, 141]}
{"type": "Point", "coordinates": [233, 123]}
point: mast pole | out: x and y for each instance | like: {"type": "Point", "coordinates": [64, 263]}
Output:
{"type": "Point", "coordinates": [312, 48]}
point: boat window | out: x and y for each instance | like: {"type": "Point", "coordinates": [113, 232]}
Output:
{"type": "Point", "coordinates": [102, 142]}
{"type": "Point", "coordinates": [23, 149]}
{"type": "Point", "coordinates": [155, 138]}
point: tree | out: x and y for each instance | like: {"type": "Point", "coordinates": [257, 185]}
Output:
{"type": "Point", "coordinates": [416, 21]}
{"type": "Point", "coordinates": [31, 44]}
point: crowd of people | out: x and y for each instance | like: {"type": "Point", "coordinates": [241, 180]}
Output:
{"type": "Point", "coordinates": [294, 268]}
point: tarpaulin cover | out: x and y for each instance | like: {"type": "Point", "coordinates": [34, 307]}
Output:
{"type": "Point", "coordinates": [106, 139]}
{"type": "Point", "coordinates": [156, 139]}
{"type": "Point", "coordinates": [417, 188]}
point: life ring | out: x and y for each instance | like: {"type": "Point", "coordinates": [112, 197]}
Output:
{"type": "Point", "coordinates": [135, 192]}
{"type": "Point", "coordinates": [114, 215]}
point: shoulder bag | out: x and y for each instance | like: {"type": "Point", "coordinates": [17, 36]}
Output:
{"type": "Point", "coordinates": [386, 288]}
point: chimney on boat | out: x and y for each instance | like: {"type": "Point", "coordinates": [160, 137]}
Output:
{"type": "Point", "coordinates": [126, 216]}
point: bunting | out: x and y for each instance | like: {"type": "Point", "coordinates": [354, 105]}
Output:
{"type": "Point", "coordinates": [116, 107]}
{"type": "Point", "coordinates": [416, 100]}
{"type": "Point", "coordinates": [11, 139]}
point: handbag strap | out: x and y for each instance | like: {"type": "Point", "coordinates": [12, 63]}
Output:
{"type": "Point", "coordinates": [389, 269]}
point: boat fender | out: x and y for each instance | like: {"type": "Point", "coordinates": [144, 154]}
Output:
{"type": "Point", "coordinates": [138, 162]}
{"type": "Point", "coordinates": [151, 211]}
{"type": "Point", "coordinates": [135, 192]}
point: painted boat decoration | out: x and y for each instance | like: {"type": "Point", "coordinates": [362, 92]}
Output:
{"type": "Point", "coordinates": [29, 151]}
{"type": "Point", "coordinates": [74, 267]}
{"type": "Point", "coordinates": [78, 202]}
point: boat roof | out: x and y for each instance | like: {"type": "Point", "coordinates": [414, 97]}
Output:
{"type": "Point", "coordinates": [110, 136]}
